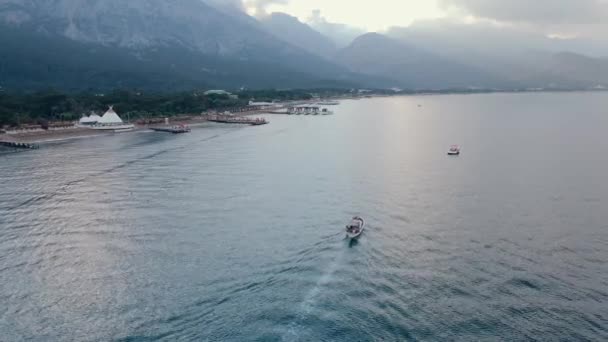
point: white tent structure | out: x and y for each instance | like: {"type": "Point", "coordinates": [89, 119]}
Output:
{"type": "Point", "coordinates": [94, 118]}
{"type": "Point", "coordinates": [110, 121]}
{"type": "Point", "coordinates": [110, 118]}
{"type": "Point", "coordinates": [86, 120]}
{"type": "Point", "coordinates": [89, 120]}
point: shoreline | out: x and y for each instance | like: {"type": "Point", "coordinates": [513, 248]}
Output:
{"type": "Point", "coordinates": [43, 137]}
{"type": "Point", "coordinates": [197, 120]}
{"type": "Point", "coordinates": [75, 133]}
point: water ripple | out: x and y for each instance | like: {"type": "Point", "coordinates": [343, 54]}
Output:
{"type": "Point", "coordinates": [237, 234]}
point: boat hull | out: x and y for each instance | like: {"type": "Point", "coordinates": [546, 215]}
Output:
{"type": "Point", "coordinates": [355, 234]}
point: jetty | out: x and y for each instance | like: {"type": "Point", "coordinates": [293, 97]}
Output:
{"type": "Point", "coordinates": [239, 120]}
{"type": "Point", "coordinates": [21, 145]}
{"type": "Point", "coordinates": [179, 129]}
{"type": "Point", "coordinates": [308, 110]}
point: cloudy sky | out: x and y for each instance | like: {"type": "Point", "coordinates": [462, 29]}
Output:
{"type": "Point", "coordinates": [566, 18]}
{"type": "Point", "coordinates": [371, 15]}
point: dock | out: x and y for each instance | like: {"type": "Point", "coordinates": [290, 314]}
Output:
{"type": "Point", "coordinates": [308, 110]}
{"type": "Point", "coordinates": [174, 129]}
{"type": "Point", "coordinates": [20, 145]}
{"type": "Point", "coordinates": [238, 120]}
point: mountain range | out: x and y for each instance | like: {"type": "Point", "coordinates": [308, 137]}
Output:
{"type": "Point", "coordinates": [170, 45]}
{"type": "Point", "coordinates": [412, 67]}
{"type": "Point", "coordinates": [292, 31]}
{"type": "Point", "coordinates": [115, 43]}
{"type": "Point", "coordinates": [519, 57]}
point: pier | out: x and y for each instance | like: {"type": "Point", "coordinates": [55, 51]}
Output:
{"type": "Point", "coordinates": [308, 110]}
{"type": "Point", "coordinates": [180, 129]}
{"type": "Point", "coordinates": [20, 145]}
{"type": "Point", "coordinates": [239, 120]}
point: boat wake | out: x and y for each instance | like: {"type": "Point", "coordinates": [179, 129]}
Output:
{"type": "Point", "coordinates": [296, 329]}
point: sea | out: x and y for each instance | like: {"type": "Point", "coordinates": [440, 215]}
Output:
{"type": "Point", "coordinates": [233, 233]}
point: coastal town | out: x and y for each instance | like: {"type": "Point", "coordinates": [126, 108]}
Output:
{"type": "Point", "coordinates": [26, 136]}
{"type": "Point", "coordinates": [29, 136]}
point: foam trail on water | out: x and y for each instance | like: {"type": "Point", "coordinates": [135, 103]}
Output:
{"type": "Point", "coordinates": [306, 307]}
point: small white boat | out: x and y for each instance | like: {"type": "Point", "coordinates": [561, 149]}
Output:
{"type": "Point", "coordinates": [454, 150]}
{"type": "Point", "coordinates": [355, 228]}
{"type": "Point", "coordinates": [326, 111]}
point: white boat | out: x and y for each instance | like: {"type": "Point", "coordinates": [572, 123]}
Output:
{"type": "Point", "coordinates": [110, 121]}
{"type": "Point", "coordinates": [326, 111]}
{"type": "Point", "coordinates": [454, 150]}
{"type": "Point", "coordinates": [355, 228]}
{"type": "Point", "coordinates": [328, 103]}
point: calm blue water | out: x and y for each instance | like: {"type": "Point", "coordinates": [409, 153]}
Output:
{"type": "Point", "coordinates": [236, 234]}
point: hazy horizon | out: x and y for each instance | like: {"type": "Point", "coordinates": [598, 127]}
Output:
{"type": "Point", "coordinates": [580, 23]}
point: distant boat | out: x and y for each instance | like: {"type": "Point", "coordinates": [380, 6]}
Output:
{"type": "Point", "coordinates": [454, 150]}
{"type": "Point", "coordinates": [326, 111]}
{"type": "Point", "coordinates": [355, 228]}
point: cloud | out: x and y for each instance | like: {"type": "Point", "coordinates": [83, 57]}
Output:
{"type": "Point", "coordinates": [488, 40]}
{"type": "Point", "coordinates": [537, 11]}
{"type": "Point", "coordinates": [551, 17]}
{"type": "Point", "coordinates": [260, 6]}
{"type": "Point", "coordinates": [341, 34]}
{"type": "Point", "coordinates": [227, 4]}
